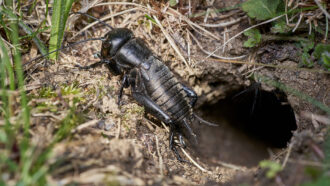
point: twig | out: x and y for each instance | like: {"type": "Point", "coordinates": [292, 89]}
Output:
{"type": "Point", "coordinates": [231, 166]}
{"type": "Point", "coordinates": [165, 127]}
{"type": "Point", "coordinates": [322, 119]}
{"type": "Point", "coordinates": [287, 155]}
{"type": "Point", "coordinates": [189, 12]}
{"type": "Point", "coordinates": [206, 15]}
{"type": "Point", "coordinates": [305, 162]}
{"type": "Point", "coordinates": [87, 124]}
{"type": "Point", "coordinates": [47, 115]}
{"type": "Point", "coordinates": [160, 157]}
{"type": "Point", "coordinates": [118, 129]}
{"type": "Point", "coordinates": [188, 47]}
{"type": "Point", "coordinates": [298, 23]}
{"type": "Point", "coordinates": [323, 10]}
{"type": "Point", "coordinates": [286, 12]}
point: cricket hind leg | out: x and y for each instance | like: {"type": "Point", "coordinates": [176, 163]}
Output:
{"type": "Point", "coordinates": [173, 145]}
{"type": "Point", "coordinates": [190, 131]}
{"type": "Point", "coordinates": [201, 120]}
{"type": "Point", "coordinates": [193, 99]}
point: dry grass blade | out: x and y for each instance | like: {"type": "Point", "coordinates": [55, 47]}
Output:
{"type": "Point", "coordinates": [87, 124]}
{"type": "Point", "coordinates": [170, 40]}
{"type": "Point", "coordinates": [111, 174]}
{"type": "Point", "coordinates": [89, 5]}
{"type": "Point", "coordinates": [192, 24]}
{"type": "Point", "coordinates": [240, 33]}
{"type": "Point", "coordinates": [225, 24]}
{"type": "Point", "coordinates": [160, 157]}
{"type": "Point", "coordinates": [121, 3]}
{"type": "Point", "coordinates": [287, 155]}
{"type": "Point", "coordinates": [323, 10]}
{"type": "Point", "coordinates": [209, 53]}
{"type": "Point", "coordinates": [231, 166]}
{"type": "Point", "coordinates": [118, 129]}
{"type": "Point", "coordinates": [103, 19]}
{"type": "Point", "coordinates": [193, 161]}
{"type": "Point", "coordinates": [187, 155]}
{"type": "Point", "coordinates": [305, 162]}
{"type": "Point", "coordinates": [319, 118]}
{"type": "Point", "coordinates": [270, 65]}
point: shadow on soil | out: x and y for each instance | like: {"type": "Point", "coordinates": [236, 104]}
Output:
{"type": "Point", "coordinates": [251, 122]}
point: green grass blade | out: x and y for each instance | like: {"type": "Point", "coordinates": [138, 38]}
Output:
{"type": "Point", "coordinates": [8, 66]}
{"type": "Point", "coordinates": [18, 65]}
{"type": "Point", "coordinates": [39, 170]}
{"type": "Point", "coordinates": [42, 48]}
{"type": "Point", "coordinates": [32, 7]}
{"type": "Point", "coordinates": [9, 3]}
{"type": "Point", "coordinates": [24, 145]}
{"type": "Point", "coordinates": [5, 97]}
{"type": "Point", "coordinates": [3, 24]}
{"type": "Point", "coordinates": [43, 23]}
{"type": "Point", "coordinates": [3, 77]}
{"type": "Point", "coordinates": [6, 59]}
{"type": "Point", "coordinates": [59, 17]}
{"type": "Point", "coordinates": [327, 149]}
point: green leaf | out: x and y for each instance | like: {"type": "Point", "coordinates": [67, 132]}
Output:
{"type": "Point", "coordinates": [324, 180]}
{"type": "Point", "coordinates": [262, 9]}
{"type": "Point", "coordinates": [272, 166]}
{"type": "Point", "coordinates": [326, 60]}
{"type": "Point", "coordinates": [151, 19]}
{"type": "Point", "coordinates": [280, 27]}
{"type": "Point", "coordinates": [307, 46]}
{"type": "Point", "coordinates": [322, 54]}
{"type": "Point", "coordinates": [254, 37]}
{"type": "Point", "coordinates": [319, 49]}
{"type": "Point", "coordinates": [326, 147]}
{"type": "Point", "coordinates": [306, 60]}
{"type": "Point", "coordinates": [59, 17]}
{"type": "Point", "coordinates": [3, 137]}
{"type": "Point", "coordinates": [173, 2]}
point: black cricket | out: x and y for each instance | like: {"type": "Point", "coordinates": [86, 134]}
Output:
{"type": "Point", "coordinates": [152, 83]}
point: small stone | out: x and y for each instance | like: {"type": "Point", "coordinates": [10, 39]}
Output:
{"type": "Point", "coordinates": [101, 124]}
{"type": "Point", "coordinates": [108, 126]}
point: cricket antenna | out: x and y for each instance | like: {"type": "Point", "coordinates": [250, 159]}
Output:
{"type": "Point", "coordinates": [99, 20]}
{"type": "Point", "coordinates": [72, 44]}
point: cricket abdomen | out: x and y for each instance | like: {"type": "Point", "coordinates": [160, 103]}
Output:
{"type": "Point", "coordinates": [167, 92]}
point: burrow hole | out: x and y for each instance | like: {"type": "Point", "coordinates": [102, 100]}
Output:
{"type": "Point", "coordinates": [252, 122]}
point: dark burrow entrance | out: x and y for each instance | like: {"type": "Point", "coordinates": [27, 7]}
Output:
{"type": "Point", "coordinates": [252, 122]}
